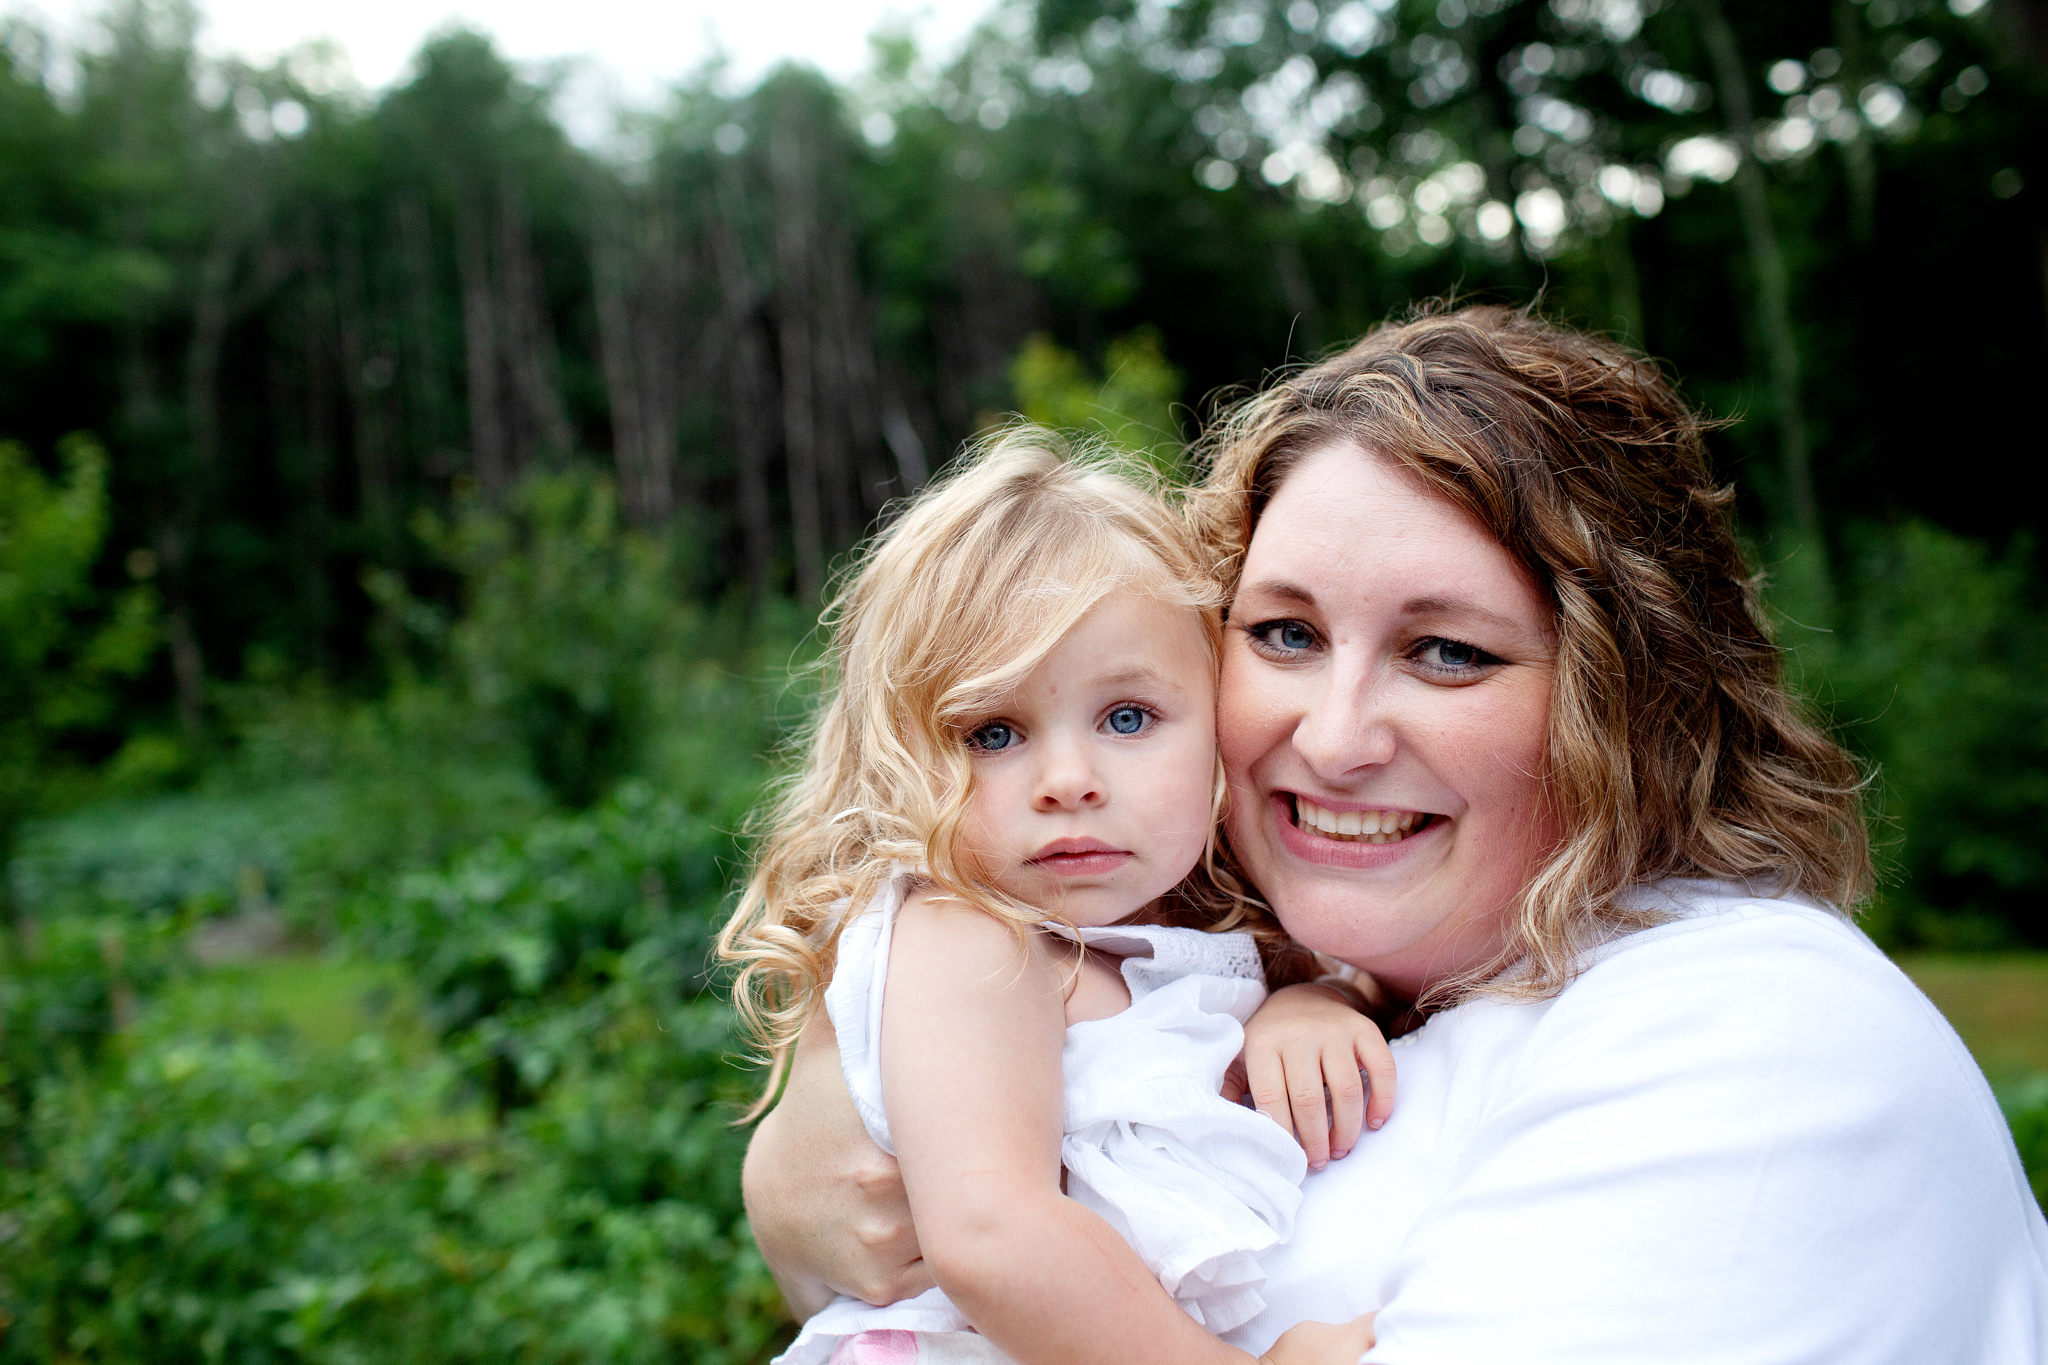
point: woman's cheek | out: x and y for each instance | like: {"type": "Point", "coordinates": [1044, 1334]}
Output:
{"type": "Point", "coordinates": [1248, 699]}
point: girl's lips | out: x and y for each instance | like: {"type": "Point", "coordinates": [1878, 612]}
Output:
{"type": "Point", "coordinates": [1315, 848]}
{"type": "Point", "coordinates": [1080, 857]}
{"type": "Point", "coordinates": [1082, 864]}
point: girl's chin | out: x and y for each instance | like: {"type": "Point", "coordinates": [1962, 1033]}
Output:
{"type": "Point", "coordinates": [1358, 855]}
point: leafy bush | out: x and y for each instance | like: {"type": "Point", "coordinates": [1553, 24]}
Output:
{"type": "Point", "coordinates": [210, 1203]}
{"type": "Point", "coordinates": [2026, 1109]}
{"type": "Point", "coordinates": [519, 940]}
{"type": "Point", "coordinates": [226, 1191]}
{"type": "Point", "coordinates": [565, 612]}
{"type": "Point", "coordinates": [57, 653]}
{"type": "Point", "coordinates": [1131, 405]}
{"type": "Point", "coordinates": [66, 988]}
{"type": "Point", "coordinates": [1935, 673]}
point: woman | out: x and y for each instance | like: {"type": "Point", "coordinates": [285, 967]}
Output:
{"type": "Point", "coordinates": [1668, 1104]}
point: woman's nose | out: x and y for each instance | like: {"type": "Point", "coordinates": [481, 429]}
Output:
{"type": "Point", "coordinates": [1348, 724]}
{"type": "Point", "coordinates": [1067, 779]}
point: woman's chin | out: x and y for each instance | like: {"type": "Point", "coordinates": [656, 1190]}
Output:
{"type": "Point", "coordinates": [1353, 854]}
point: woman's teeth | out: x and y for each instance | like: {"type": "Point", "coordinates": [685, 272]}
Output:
{"type": "Point", "coordinates": [1357, 826]}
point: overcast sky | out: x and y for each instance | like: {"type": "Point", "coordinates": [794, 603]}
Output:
{"type": "Point", "coordinates": [637, 44]}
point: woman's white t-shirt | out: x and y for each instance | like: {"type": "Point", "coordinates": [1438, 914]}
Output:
{"type": "Point", "coordinates": [1741, 1136]}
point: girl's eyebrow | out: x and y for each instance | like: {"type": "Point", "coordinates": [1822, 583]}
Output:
{"type": "Point", "coordinates": [1133, 673]}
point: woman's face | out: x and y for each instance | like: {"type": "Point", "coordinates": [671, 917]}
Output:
{"type": "Point", "coordinates": [1387, 668]}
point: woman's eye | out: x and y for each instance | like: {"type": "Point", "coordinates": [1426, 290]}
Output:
{"type": "Point", "coordinates": [1290, 636]}
{"type": "Point", "coordinates": [993, 737]}
{"type": "Point", "coordinates": [1453, 656]}
{"type": "Point", "coordinates": [1127, 720]}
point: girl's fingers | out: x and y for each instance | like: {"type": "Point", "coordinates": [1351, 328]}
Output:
{"type": "Point", "coordinates": [1305, 1097]}
{"type": "Point", "coordinates": [1347, 1096]}
{"type": "Point", "coordinates": [1376, 1059]}
{"type": "Point", "coordinates": [1268, 1080]}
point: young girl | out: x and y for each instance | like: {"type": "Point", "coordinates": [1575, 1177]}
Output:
{"type": "Point", "coordinates": [1003, 828]}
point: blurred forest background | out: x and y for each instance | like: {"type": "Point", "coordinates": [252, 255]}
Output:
{"type": "Point", "coordinates": [411, 524]}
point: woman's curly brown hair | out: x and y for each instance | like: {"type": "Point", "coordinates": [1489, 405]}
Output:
{"type": "Point", "coordinates": [1675, 749]}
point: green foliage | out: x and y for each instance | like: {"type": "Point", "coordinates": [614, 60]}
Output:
{"type": "Point", "coordinates": [58, 654]}
{"type": "Point", "coordinates": [1934, 673]}
{"type": "Point", "coordinates": [66, 986]}
{"type": "Point", "coordinates": [1131, 405]}
{"type": "Point", "coordinates": [2026, 1109]}
{"type": "Point", "coordinates": [567, 612]}
{"type": "Point", "coordinates": [224, 1189]}
{"type": "Point", "coordinates": [517, 938]}
{"type": "Point", "coordinates": [548, 1169]}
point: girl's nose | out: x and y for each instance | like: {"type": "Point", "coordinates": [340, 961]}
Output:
{"type": "Point", "coordinates": [1068, 779]}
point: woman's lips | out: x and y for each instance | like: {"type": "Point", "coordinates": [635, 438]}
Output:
{"type": "Point", "coordinates": [1080, 857]}
{"type": "Point", "coordinates": [1306, 830]}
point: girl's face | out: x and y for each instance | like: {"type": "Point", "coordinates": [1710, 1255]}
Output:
{"type": "Point", "coordinates": [1093, 780]}
{"type": "Point", "coordinates": [1384, 711]}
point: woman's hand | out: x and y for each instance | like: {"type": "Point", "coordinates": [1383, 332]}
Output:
{"type": "Point", "coordinates": [827, 1205]}
{"type": "Point", "coordinates": [1322, 1343]}
{"type": "Point", "coordinates": [1306, 1040]}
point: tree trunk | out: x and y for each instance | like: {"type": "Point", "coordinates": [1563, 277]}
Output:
{"type": "Point", "coordinates": [493, 461]}
{"type": "Point", "coordinates": [640, 280]}
{"type": "Point", "coordinates": [750, 385]}
{"type": "Point", "coordinates": [419, 360]}
{"type": "Point", "coordinates": [792, 174]}
{"type": "Point", "coordinates": [1859, 160]}
{"type": "Point", "coordinates": [527, 335]}
{"type": "Point", "coordinates": [367, 374]}
{"type": "Point", "coordinates": [1767, 261]}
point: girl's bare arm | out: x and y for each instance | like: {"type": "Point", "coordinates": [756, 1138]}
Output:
{"type": "Point", "coordinates": [971, 1041]}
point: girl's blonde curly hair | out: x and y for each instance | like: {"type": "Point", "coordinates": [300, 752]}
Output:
{"type": "Point", "coordinates": [941, 616]}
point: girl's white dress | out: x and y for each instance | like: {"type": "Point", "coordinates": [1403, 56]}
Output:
{"type": "Point", "coordinates": [1197, 1185]}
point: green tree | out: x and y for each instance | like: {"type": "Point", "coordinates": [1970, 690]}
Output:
{"type": "Point", "coordinates": [59, 657]}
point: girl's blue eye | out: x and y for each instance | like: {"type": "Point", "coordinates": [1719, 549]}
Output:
{"type": "Point", "coordinates": [993, 737]}
{"type": "Point", "coordinates": [1127, 720]}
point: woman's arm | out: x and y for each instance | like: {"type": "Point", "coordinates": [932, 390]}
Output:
{"type": "Point", "coordinates": [971, 1041]}
{"type": "Point", "coordinates": [826, 1205]}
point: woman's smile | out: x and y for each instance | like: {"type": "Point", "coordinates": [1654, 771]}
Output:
{"type": "Point", "coordinates": [1347, 835]}
{"type": "Point", "coordinates": [1355, 824]}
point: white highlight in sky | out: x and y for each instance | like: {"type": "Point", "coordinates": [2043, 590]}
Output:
{"type": "Point", "coordinates": [635, 47]}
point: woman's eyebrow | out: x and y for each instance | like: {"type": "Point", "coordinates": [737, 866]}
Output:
{"type": "Point", "coordinates": [1458, 606]}
{"type": "Point", "coordinates": [1286, 592]}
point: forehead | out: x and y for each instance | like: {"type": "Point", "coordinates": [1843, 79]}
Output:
{"type": "Point", "coordinates": [1129, 636]}
{"type": "Point", "coordinates": [1348, 526]}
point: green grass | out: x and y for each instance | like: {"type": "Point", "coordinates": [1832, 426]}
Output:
{"type": "Point", "coordinates": [329, 1005]}
{"type": "Point", "coordinates": [1998, 1004]}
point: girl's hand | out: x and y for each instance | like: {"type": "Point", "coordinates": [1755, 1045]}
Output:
{"type": "Point", "coordinates": [1322, 1343]}
{"type": "Point", "coordinates": [1306, 1040]}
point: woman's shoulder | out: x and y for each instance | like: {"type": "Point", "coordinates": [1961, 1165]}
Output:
{"type": "Point", "coordinates": [1723, 947]}
{"type": "Point", "coordinates": [1756, 965]}
{"type": "Point", "coordinates": [1766, 1003]}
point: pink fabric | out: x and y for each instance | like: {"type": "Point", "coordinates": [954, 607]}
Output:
{"type": "Point", "coordinates": [877, 1348]}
